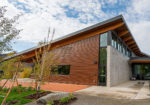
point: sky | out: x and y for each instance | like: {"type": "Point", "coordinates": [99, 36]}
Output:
{"type": "Point", "coordinates": [67, 16]}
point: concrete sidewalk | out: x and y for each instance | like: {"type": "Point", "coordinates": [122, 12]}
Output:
{"type": "Point", "coordinates": [127, 90]}
{"type": "Point", "coordinates": [101, 100]}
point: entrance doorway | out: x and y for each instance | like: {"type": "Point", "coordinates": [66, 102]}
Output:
{"type": "Point", "coordinates": [141, 71]}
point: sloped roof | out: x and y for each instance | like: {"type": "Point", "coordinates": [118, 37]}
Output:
{"type": "Point", "coordinates": [122, 31]}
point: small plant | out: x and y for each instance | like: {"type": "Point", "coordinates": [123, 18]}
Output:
{"type": "Point", "coordinates": [20, 85]}
{"type": "Point", "coordinates": [29, 88]}
{"type": "Point", "coordinates": [70, 96]}
{"type": "Point", "coordinates": [64, 100]}
{"type": "Point", "coordinates": [51, 103]}
{"type": "Point", "coordinates": [23, 89]}
{"type": "Point", "coordinates": [5, 90]}
{"type": "Point", "coordinates": [34, 89]}
{"type": "Point", "coordinates": [0, 87]}
{"type": "Point", "coordinates": [14, 89]}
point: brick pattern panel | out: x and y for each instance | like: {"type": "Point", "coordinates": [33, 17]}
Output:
{"type": "Point", "coordinates": [81, 56]}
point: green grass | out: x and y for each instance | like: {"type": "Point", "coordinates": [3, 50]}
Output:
{"type": "Point", "coordinates": [14, 95]}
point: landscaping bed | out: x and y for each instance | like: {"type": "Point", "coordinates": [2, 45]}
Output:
{"type": "Point", "coordinates": [41, 94]}
{"type": "Point", "coordinates": [15, 98]}
{"type": "Point", "coordinates": [57, 102]}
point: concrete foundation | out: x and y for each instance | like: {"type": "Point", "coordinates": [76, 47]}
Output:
{"type": "Point", "coordinates": [118, 67]}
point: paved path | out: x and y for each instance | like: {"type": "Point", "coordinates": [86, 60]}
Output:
{"type": "Point", "coordinates": [127, 90]}
{"type": "Point", "coordinates": [51, 86]}
{"type": "Point", "coordinates": [102, 100]}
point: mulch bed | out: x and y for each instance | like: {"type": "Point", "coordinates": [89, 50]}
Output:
{"type": "Point", "coordinates": [33, 96]}
{"type": "Point", "coordinates": [57, 102]}
{"type": "Point", "coordinates": [12, 102]}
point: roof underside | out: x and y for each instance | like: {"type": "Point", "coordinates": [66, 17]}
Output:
{"type": "Point", "coordinates": [117, 24]}
{"type": "Point", "coordinates": [140, 60]}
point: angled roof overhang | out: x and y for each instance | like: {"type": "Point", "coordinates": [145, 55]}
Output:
{"type": "Point", "coordinates": [117, 24]}
{"type": "Point", "coordinates": [140, 60]}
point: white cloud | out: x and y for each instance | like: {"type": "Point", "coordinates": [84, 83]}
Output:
{"type": "Point", "coordinates": [41, 14]}
{"type": "Point", "coordinates": [44, 13]}
{"type": "Point", "coordinates": [141, 6]}
{"type": "Point", "coordinates": [141, 34]}
{"type": "Point", "coordinates": [138, 18]}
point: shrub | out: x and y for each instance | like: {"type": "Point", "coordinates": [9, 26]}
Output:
{"type": "Point", "coordinates": [64, 100]}
{"type": "Point", "coordinates": [26, 72]}
{"type": "Point", "coordinates": [51, 103]}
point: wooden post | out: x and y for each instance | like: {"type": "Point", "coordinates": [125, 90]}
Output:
{"type": "Point", "coordinates": [18, 86]}
{"type": "Point", "coordinates": [4, 84]}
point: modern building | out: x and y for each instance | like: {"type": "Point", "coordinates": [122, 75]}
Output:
{"type": "Point", "coordinates": [102, 54]}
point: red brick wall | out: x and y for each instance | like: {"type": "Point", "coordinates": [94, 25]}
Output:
{"type": "Point", "coordinates": [80, 56]}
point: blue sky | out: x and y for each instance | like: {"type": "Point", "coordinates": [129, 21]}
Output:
{"type": "Point", "coordinates": [66, 16]}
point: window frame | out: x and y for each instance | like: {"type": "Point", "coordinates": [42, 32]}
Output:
{"type": "Point", "coordinates": [59, 74]}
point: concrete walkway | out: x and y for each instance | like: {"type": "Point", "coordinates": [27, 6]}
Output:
{"type": "Point", "coordinates": [62, 87]}
{"type": "Point", "coordinates": [100, 100]}
{"type": "Point", "coordinates": [127, 90]}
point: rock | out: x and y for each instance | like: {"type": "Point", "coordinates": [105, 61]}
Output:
{"type": "Point", "coordinates": [51, 97]}
{"type": "Point", "coordinates": [41, 102]}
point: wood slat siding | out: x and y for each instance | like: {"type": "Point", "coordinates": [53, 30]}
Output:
{"type": "Point", "coordinates": [81, 56]}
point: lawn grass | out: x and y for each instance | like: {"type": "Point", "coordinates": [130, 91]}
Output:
{"type": "Point", "coordinates": [14, 95]}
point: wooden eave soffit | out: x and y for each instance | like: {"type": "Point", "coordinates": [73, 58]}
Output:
{"type": "Point", "coordinates": [132, 46]}
{"type": "Point", "coordinates": [123, 33]}
{"type": "Point", "coordinates": [127, 38]}
{"type": "Point", "coordinates": [135, 49]}
{"type": "Point", "coordinates": [130, 42]}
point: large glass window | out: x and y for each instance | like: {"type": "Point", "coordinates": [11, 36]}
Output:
{"type": "Point", "coordinates": [61, 69]}
{"type": "Point", "coordinates": [102, 66]}
{"type": "Point", "coordinates": [103, 40]}
{"type": "Point", "coordinates": [103, 56]}
{"type": "Point", "coordinates": [102, 59]}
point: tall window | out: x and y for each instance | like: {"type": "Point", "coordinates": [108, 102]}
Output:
{"type": "Point", "coordinates": [119, 45]}
{"type": "Point", "coordinates": [103, 59]}
{"type": "Point", "coordinates": [103, 40]}
{"type": "Point", "coordinates": [114, 41]}
{"type": "Point", "coordinates": [61, 69]}
{"type": "Point", "coordinates": [124, 49]}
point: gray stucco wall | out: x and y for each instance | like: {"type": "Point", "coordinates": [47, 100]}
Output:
{"type": "Point", "coordinates": [118, 68]}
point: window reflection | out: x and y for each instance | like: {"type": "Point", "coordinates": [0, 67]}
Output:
{"type": "Point", "coordinates": [120, 46]}
{"type": "Point", "coordinates": [103, 40]}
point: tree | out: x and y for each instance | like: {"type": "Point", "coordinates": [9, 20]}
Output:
{"type": "Point", "coordinates": [8, 31]}
{"type": "Point", "coordinates": [44, 60]}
